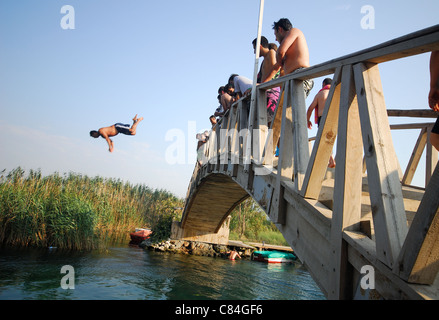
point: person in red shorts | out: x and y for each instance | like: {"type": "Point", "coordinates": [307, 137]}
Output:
{"type": "Point", "coordinates": [233, 255]}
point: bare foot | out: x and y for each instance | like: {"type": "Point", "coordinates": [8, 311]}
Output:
{"type": "Point", "coordinates": [331, 162]}
{"type": "Point", "coordinates": [140, 119]}
{"type": "Point", "coordinates": [135, 118]}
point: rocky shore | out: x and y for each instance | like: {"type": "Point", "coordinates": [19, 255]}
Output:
{"type": "Point", "coordinates": [196, 248]}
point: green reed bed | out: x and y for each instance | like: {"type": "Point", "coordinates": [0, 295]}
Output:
{"type": "Point", "coordinates": [75, 211]}
{"type": "Point", "coordinates": [250, 223]}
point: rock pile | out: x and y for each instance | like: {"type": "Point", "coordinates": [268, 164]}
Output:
{"type": "Point", "coordinates": [193, 247]}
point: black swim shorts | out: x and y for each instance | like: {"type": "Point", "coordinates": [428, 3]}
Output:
{"type": "Point", "coordinates": [123, 128]}
{"type": "Point", "coordinates": [436, 127]}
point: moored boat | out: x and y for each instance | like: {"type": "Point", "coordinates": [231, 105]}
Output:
{"type": "Point", "coordinates": [274, 256]}
{"type": "Point", "coordinates": [140, 235]}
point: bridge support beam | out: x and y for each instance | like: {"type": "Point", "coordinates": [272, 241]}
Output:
{"type": "Point", "coordinates": [285, 164]}
{"type": "Point", "coordinates": [293, 145]}
{"type": "Point", "coordinates": [418, 260]}
{"type": "Point", "coordinates": [347, 190]}
{"type": "Point", "coordinates": [386, 198]}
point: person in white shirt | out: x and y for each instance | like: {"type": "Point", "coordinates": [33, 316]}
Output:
{"type": "Point", "coordinates": [241, 84]}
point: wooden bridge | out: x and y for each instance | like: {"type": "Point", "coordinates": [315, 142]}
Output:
{"type": "Point", "coordinates": [363, 213]}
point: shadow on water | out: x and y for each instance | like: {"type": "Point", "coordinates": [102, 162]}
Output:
{"type": "Point", "coordinates": [131, 273]}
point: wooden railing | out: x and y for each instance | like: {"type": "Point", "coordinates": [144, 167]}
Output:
{"type": "Point", "coordinates": [355, 116]}
{"type": "Point", "coordinates": [422, 143]}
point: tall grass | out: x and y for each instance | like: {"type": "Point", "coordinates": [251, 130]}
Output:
{"type": "Point", "coordinates": [250, 223]}
{"type": "Point", "coordinates": [75, 211]}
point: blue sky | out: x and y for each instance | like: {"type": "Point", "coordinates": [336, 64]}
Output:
{"type": "Point", "coordinates": [164, 60]}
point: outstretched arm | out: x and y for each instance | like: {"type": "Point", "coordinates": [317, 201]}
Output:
{"type": "Point", "coordinates": [109, 141]}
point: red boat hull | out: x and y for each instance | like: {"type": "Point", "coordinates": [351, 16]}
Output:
{"type": "Point", "coordinates": [139, 236]}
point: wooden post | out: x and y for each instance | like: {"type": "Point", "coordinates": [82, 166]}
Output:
{"type": "Point", "coordinates": [415, 157]}
{"type": "Point", "coordinates": [347, 189]}
{"type": "Point", "coordinates": [243, 126]}
{"type": "Point", "coordinates": [234, 137]}
{"type": "Point", "coordinates": [324, 143]}
{"type": "Point", "coordinates": [249, 137]}
{"type": "Point", "coordinates": [300, 133]}
{"type": "Point", "coordinates": [382, 166]}
{"type": "Point", "coordinates": [418, 261]}
{"type": "Point", "coordinates": [218, 148]}
{"type": "Point", "coordinates": [224, 141]}
{"type": "Point", "coordinates": [211, 150]}
{"type": "Point", "coordinates": [430, 159]}
{"type": "Point", "coordinates": [285, 165]}
{"type": "Point", "coordinates": [261, 126]}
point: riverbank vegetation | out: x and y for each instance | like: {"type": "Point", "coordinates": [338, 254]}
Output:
{"type": "Point", "coordinates": [74, 211]}
{"type": "Point", "coordinates": [249, 223]}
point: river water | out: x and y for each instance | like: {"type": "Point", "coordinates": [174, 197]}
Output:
{"type": "Point", "coordinates": [131, 273]}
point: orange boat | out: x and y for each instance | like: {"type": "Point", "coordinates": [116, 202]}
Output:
{"type": "Point", "coordinates": [140, 235]}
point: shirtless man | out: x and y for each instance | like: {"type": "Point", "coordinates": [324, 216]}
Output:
{"type": "Point", "coordinates": [269, 71]}
{"type": "Point", "coordinates": [292, 53]}
{"type": "Point", "coordinates": [318, 104]}
{"type": "Point", "coordinates": [269, 66]}
{"type": "Point", "coordinates": [115, 129]}
{"type": "Point", "coordinates": [233, 255]}
{"type": "Point", "coordinates": [226, 99]}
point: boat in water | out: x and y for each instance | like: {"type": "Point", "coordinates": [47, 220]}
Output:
{"type": "Point", "coordinates": [140, 235]}
{"type": "Point", "coordinates": [274, 256]}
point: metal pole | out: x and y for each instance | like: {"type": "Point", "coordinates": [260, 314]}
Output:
{"type": "Point", "coordinates": [258, 47]}
{"type": "Point", "coordinates": [253, 94]}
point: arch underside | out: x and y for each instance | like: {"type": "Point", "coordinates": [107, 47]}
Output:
{"type": "Point", "coordinates": [214, 199]}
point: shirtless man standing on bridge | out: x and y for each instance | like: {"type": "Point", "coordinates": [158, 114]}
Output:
{"type": "Point", "coordinates": [292, 54]}
{"type": "Point", "coordinates": [318, 105]}
{"type": "Point", "coordinates": [114, 130]}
